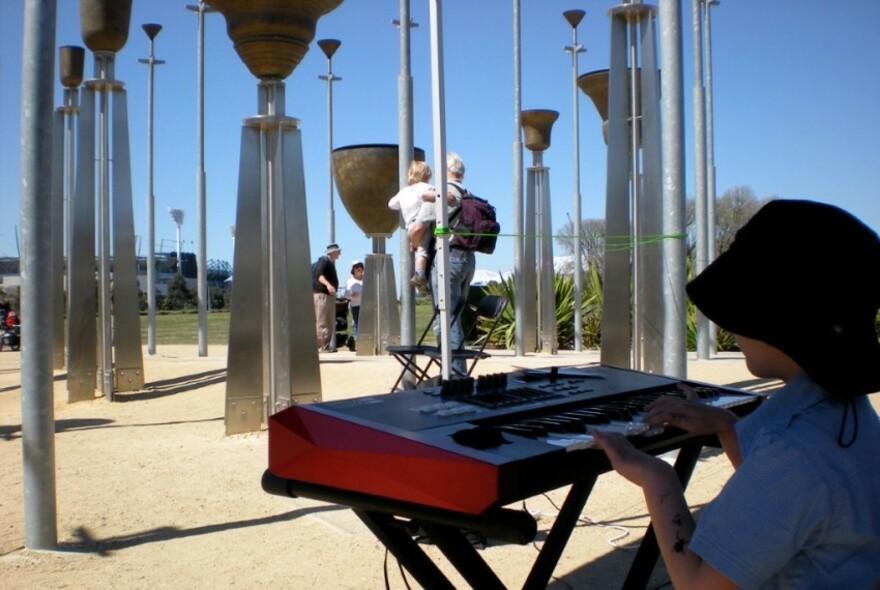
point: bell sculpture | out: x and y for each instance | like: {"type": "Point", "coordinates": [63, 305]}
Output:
{"type": "Point", "coordinates": [273, 351]}
{"type": "Point", "coordinates": [632, 324]}
{"type": "Point", "coordinates": [103, 176]}
{"type": "Point", "coordinates": [539, 306]}
{"type": "Point", "coordinates": [367, 176]}
{"type": "Point", "coordinates": [70, 72]}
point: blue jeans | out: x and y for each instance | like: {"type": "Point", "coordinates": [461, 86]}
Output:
{"type": "Point", "coordinates": [460, 269]}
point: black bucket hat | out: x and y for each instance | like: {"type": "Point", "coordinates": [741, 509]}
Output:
{"type": "Point", "coordinates": [803, 277]}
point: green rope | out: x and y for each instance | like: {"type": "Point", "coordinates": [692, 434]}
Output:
{"type": "Point", "coordinates": [612, 243]}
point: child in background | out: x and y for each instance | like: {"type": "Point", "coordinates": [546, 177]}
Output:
{"type": "Point", "coordinates": [800, 289]}
{"type": "Point", "coordinates": [416, 204]}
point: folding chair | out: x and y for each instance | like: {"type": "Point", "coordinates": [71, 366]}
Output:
{"type": "Point", "coordinates": [408, 354]}
{"type": "Point", "coordinates": [490, 307]}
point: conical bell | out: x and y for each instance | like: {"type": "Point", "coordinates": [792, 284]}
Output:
{"type": "Point", "coordinates": [70, 65]}
{"type": "Point", "coordinates": [104, 24]}
{"type": "Point", "coordinates": [595, 85]}
{"type": "Point", "coordinates": [537, 125]}
{"type": "Point", "coordinates": [272, 36]}
{"type": "Point", "coordinates": [367, 176]}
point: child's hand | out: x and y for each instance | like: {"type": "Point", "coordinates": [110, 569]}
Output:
{"type": "Point", "coordinates": [633, 464]}
{"type": "Point", "coordinates": [689, 414]}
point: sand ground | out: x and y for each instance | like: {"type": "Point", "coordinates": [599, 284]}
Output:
{"type": "Point", "coordinates": [152, 494]}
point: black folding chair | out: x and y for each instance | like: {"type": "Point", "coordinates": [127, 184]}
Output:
{"type": "Point", "coordinates": [491, 308]}
{"type": "Point", "coordinates": [408, 354]}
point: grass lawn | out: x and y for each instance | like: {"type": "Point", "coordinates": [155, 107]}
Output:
{"type": "Point", "coordinates": [183, 327]}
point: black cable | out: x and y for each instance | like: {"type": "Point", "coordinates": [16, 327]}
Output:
{"type": "Point", "coordinates": [849, 403]}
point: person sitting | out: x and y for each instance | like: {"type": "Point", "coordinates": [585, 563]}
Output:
{"type": "Point", "coordinates": [802, 509]}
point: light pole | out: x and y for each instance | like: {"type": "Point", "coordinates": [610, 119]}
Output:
{"type": "Point", "coordinates": [574, 18]}
{"type": "Point", "coordinates": [329, 47]}
{"type": "Point", "coordinates": [151, 30]}
{"type": "Point", "coordinates": [202, 247]}
{"type": "Point", "coordinates": [177, 217]}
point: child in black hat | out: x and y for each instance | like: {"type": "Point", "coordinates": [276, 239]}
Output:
{"type": "Point", "coordinates": [800, 290]}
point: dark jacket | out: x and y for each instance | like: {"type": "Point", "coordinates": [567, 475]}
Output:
{"type": "Point", "coordinates": [326, 268]}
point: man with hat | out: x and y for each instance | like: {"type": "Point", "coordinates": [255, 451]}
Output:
{"type": "Point", "coordinates": [800, 290]}
{"type": "Point", "coordinates": [324, 286]}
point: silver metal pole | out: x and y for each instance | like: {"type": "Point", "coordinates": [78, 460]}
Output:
{"type": "Point", "coordinates": [518, 270]}
{"type": "Point", "coordinates": [104, 67]}
{"type": "Point", "coordinates": [672, 106]}
{"type": "Point", "coordinates": [439, 127]}
{"type": "Point", "coordinates": [636, 179]}
{"type": "Point", "coordinates": [574, 18]}
{"type": "Point", "coordinates": [201, 217]}
{"type": "Point", "coordinates": [700, 174]}
{"type": "Point", "coordinates": [407, 153]}
{"type": "Point", "coordinates": [329, 47]}
{"type": "Point", "coordinates": [151, 30]}
{"type": "Point", "coordinates": [37, 398]}
{"type": "Point", "coordinates": [710, 158]}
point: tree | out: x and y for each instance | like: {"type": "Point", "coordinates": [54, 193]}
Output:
{"type": "Point", "coordinates": [735, 207]}
{"type": "Point", "coordinates": [179, 295]}
{"type": "Point", "coordinates": [592, 242]}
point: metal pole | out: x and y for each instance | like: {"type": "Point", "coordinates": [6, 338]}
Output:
{"type": "Point", "coordinates": [519, 309]}
{"type": "Point", "coordinates": [710, 158]}
{"type": "Point", "coordinates": [439, 127]}
{"type": "Point", "coordinates": [636, 179]}
{"type": "Point", "coordinates": [329, 47]}
{"type": "Point", "coordinates": [37, 399]}
{"type": "Point", "coordinates": [407, 153]}
{"type": "Point", "coordinates": [574, 18]}
{"type": "Point", "coordinates": [151, 30]}
{"type": "Point", "coordinates": [700, 174]}
{"type": "Point", "coordinates": [672, 106]}
{"type": "Point", "coordinates": [104, 67]}
{"type": "Point", "coordinates": [201, 218]}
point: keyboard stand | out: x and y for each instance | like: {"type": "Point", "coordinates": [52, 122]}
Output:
{"type": "Point", "coordinates": [394, 522]}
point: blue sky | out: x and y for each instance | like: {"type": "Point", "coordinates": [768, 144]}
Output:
{"type": "Point", "coordinates": [796, 95]}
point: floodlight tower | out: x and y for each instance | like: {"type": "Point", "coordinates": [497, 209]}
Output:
{"type": "Point", "coordinates": [151, 30]}
{"type": "Point", "coordinates": [177, 218]}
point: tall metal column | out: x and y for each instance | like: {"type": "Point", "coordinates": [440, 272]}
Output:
{"type": "Point", "coordinates": [574, 18]}
{"type": "Point", "coordinates": [405, 156]}
{"type": "Point", "coordinates": [37, 399]}
{"type": "Point", "coordinates": [537, 125]}
{"type": "Point", "coordinates": [151, 30]}
{"type": "Point", "coordinates": [71, 63]}
{"type": "Point", "coordinates": [201, 215]}
{"type": "Point", "coordinates": [273, 352]}
{"type": "Point", "coordinates": [329, 47]}
{"type": "Point", "coordinates": [672, 106]}
{"type": "Point", "coordinates": [525, 339]}
{"type": "Point", "coordinates": [699, 105]}
{"type": "Point", "coordinates": [438, 125]}
{"type": "Point", "coordinates": [711, 217]}
{"type": "Point", "coordinates": [632, 319]}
